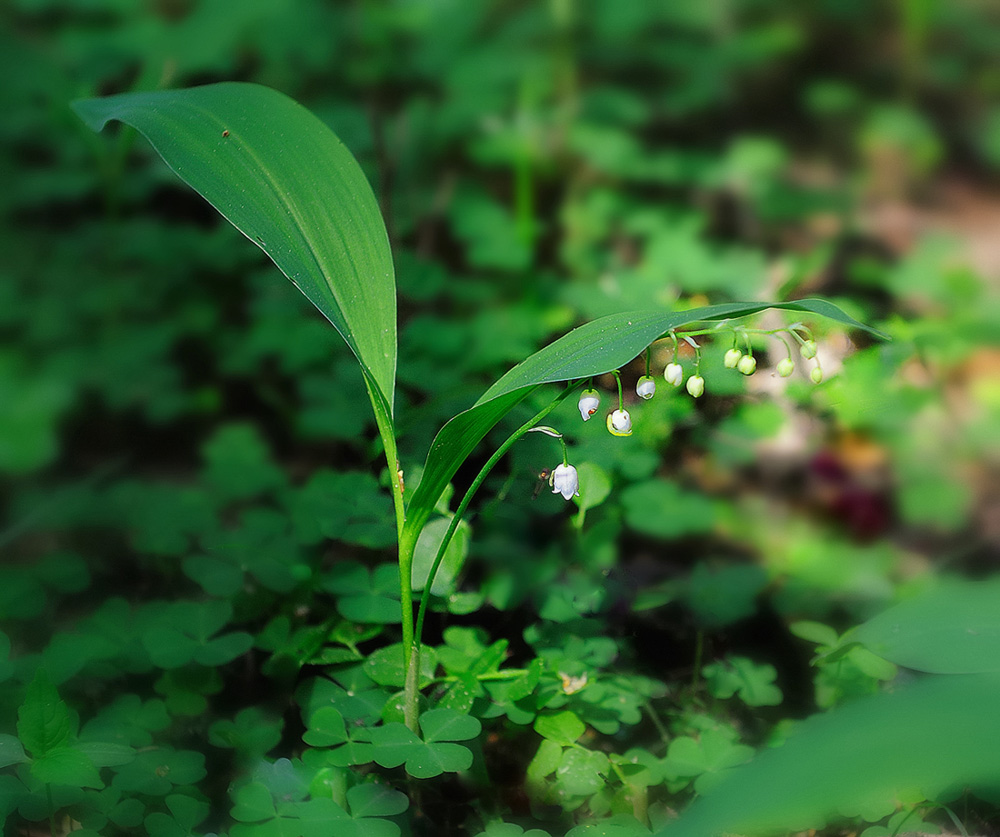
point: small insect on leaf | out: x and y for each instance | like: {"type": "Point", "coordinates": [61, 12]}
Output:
{"type": "Point", "coordinates": [225, 133]}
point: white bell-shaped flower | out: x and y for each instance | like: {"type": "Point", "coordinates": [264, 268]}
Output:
{"type": "Point", "coordinates": [696, 386]}
{"type": "Point", "coordinates": [565, 481]}
{"type": "Point", "coordinates": [786, 367]}
{"type": "Point", "coordinates": [645, 387]}
{"type": "Point", "coordinates": [674, 374]}
{"type": "Point", "coordinates": [590, 402]}
{"type": "Point", "coordinates": [620, 423]}
{"type": "Point", "coordinates": [732, 358]}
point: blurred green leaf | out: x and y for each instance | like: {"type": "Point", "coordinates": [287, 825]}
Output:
{"type": "Point", "coordinates": [66, 766]}
{"type": "Point", "coordinates": [930, 740]}
{"type": "Point", "coordinates": [951, 628]}
{"type": "Point", "coordinates": [454, 557]}
{"type": "Point", "coordinates": [595, 486]}
{"type": "Point", "coordinates": [754, 683]}
{"type": "Point", "coordinates": [184, 632]}
{"type": "Point", "coordinates": [363, 595]}
{"type": "Point", "coordinates": [376, 800]}
{"type": "Point", "coordinates": [238, 463]}
{"type": "Point", "coordinates": [704, 758]}
{"type": "Point", "coordinates": [723, 595]}
{"type": "Point", "coordinates": [11, 751]}
{"type": "Point", "coordinates": [664, 509]}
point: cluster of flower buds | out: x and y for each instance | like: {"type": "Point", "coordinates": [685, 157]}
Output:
{"type": "Point", "coordinates": [747, 364]}
{"type": "Point", "coordinates": [619, 423]}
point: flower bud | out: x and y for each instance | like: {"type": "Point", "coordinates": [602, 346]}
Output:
{"type": "Point", "coordinates": [732, 358]}
{"type": "Point", "coordinates": [808, 349]}
{"type": "Point", "coordinates": [565, 481]}
{"type": "Point", "coordinates": [786, 367]}
{"type": "Point", "coordinates": [674, 374]}
{"type": "Point", "coordinates": [645, 387]}
{"type": "Point", "coordinates": [590, 401]}
{"type": "Point", "coordinates": [747, 364]}
{"type": "Point", "coordinates": [696, 386]}
{"type": "Point", "coordinates": [620, 423]}
{"type": "Point", "coordinates": [816, 374]}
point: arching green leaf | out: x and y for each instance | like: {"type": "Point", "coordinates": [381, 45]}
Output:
{"type": "Point", "coordinates": [592, 349]}
{"type": "Point", "coordinates": [289, 185]}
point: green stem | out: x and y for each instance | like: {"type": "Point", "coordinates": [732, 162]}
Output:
{"type": "Point", "coordinates": [383, 420]}
{"type": "Point", "coordinates": [411, 694]}
{"type": "Point", "coordinates": [618, 380]}
{"type": "Point", "coordinates": [787, 347]}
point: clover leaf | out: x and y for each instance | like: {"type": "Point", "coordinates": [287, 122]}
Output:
{"type": "Point", "coordinates": [365, 595]}
{"type": "Point", "coordinates": [352, 693]}
{"type": "Point", "coordinates": [346, 506]}
{"type": "Point", "coordinates": [184, 632]}
{"type": "Point", "coordinates": [738, 675]}
{"type": "Point", "coordinates": [261, 813]}
{"type": "Point", "coordinates": [252, 732]}
{"type": "Point", "coordinates": [704, 758]}
{"type": "Point", "coordinates": [261, 546]}
{"type": "Point", "coordinates": [238, 463]}
{"type": "Point", "coordinates": [435, 753]}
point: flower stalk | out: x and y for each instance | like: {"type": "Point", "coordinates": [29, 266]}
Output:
{"type": "Point", "coordinates": [411, 692]}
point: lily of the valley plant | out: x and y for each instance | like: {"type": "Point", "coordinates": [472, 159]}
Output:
{"type": "Point", "coordinates": [284, 179]}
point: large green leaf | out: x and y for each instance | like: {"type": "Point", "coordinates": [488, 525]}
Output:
{"type": "Point", "coordinates": [953, 628]}
{"type": "Point", "coordinates": [289, 185]}
{"type": "Point", "coordinates": [592, 349]}
{"type": "Point", "coordinates": [931, 740]}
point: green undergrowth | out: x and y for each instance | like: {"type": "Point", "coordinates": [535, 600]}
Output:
{"type": "Point", "coordinates": [768, 609]}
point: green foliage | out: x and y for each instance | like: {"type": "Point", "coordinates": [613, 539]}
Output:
{"type": "Point", "coordinates": [202, 605]}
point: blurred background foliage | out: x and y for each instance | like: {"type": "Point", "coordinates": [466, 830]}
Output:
{"type": "Point", "coordinates": [176, 421]}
